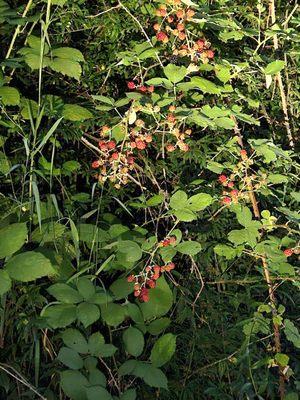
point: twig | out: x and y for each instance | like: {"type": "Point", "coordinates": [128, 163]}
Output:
{"type": "Point", "coordinates": [103, 12]}
{"type": "Point", "coordinates": [20, 379]}
{"type": "Point", "coordinates": [272, 13]}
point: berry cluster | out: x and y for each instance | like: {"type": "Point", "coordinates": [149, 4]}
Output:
{"type": "Point", "coordinates": [115, 160]}
{"type": "Point", "coordinates": [140, 138]}
{"type": "Point", "coordinates": [231, 196]}
{"type": "Point", "coordinates": [246, 181]}
{"type": "Point", "coordinates": [288, 252]}
{"type": "Point", "coordinates": [173, 25]}
{"type": "Point", "coordinates": [174, 17]}
{"type": "Point", "coordinates": [169, 241]}
{"type": "Point", "coordinates": [132, 85]}
{"type": "Point", "coordinates": [146, 280]}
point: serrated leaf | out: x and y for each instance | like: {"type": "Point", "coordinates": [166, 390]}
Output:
{"type": "Point", "coordinates": [113, 314]}
{"type": "Point", "coordinates": [74, 112]}
{"type": "Point", "coordinates": [97, 393]}
{"type": "Point", "coordinates": [178, 200]}
{"type": "Point", "coordinates": [5, 282]}
{"type": "Point", "coordinates": [121, 288]}
{"type": "Point", "coordinates": [95, 342]}
{"type": "Point", "coordinates": [70, 358]}
{"type": "Point", "coordinates": [161, 300]}
{"type": "Point", "coordinates": [86, 288]}
{"type": "Point", "coordinates": [74, 384]}
{"type": "Point", "coordinates": [66, 67]}
{"type": "Point", "coordinates": [9, 96]}
{"type": "Point", "coordinates": [175, 73]}
{"type": "Point", "coordinates": [189, 247]}
{"type": "Point", "coordinates": [65, 293]}
{"type": "Point", "coordinates": [274, 67]}
{"type": "Point", "coordinates": [75, 340]}
{"type": "Point", "coordinates": [60, 315]}
{"type": "Point", "coordinates": [29, 266]}
{"type": "Point", "coordinates": [205, 85]}
{"type": "Point", "coordinates": [163, 350]}
{"type": "Point", "coordinates": [134, 341]}
{"type": "Point", "coordinates": [12, 238]}
{"type": "Point", "coordinates": [199, 201]}
{"type": "Point", "coordinates": [68, 53]}
{"type": "Point", "coordinates": [158, 326]}
{"type": "Point", "coordinates": [87, 313]}
{"type": "Point", "coordinates": [292, 333]}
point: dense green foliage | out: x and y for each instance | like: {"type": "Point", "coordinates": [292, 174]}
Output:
{"type": "Point", "coordinates": [149, 223]}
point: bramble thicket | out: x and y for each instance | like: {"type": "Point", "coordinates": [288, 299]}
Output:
{"type": "Point", "coordinates": [149, 230]}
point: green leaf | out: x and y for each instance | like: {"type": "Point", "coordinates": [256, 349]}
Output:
{"type": "Point", "coordinates": [185, 215]}
{"type": "Point", "coordinates": [158, 326]}
{"type": "Point", "coordinates": [4, 164]}
{"type": "Point", "coordinates": [291, 332]}
{"type": "Point", "coordinates": [179, 200]}
{"type": "Point", "coordinates": [291, 396]}
{"type": "Point", "coordinates": [86, 288]}
{"type": "Point", "coordinates": [95, 343]}
{"type": "Point", "coordinates": [34, 43]}
{"type": "Point", "coordinates": [65, 293]}
{"type": "Point", "coordinates": [190, 248]}
{"type": "Point", "coordinates": [274, 67]}
{"type": "Point", "coordinates": [107, 350]}
{"type": "Point", "coordinates": [96, 377]}
{"type": "Point", "coordinates": [127, 367]}
{"type": "Point", "coordinates": [75, 340]}
{"type": "Point", "coordinates": [66, 67]}
{"type": "Point", "coordinates": [130, 394]}
{"type": "Point", "coordinates": [224, 122]}
{"type": "Point", "coordinates": [226, 251]}
{"type": "Point", "coordinates": [134, 341]}
{"type": "Point", "coordinates": [9, 96]}
{"type": "Point", "coordinates": [74, 384]}
{"type": "Point", "coordinates": [154, 377]}
{"type": "Point", "coordinates": [131, 250]}
{"type": "Point", "coordinates": [68, 53]}
{"type": "Point", "coordinates": [113, 314]}
{"type": "Point", "coordinates": [12, 238]}
{"type": "Point", "coordinates": [175, 73]}
{"type": "Point", "coordinates": [215, 167]}
{"type": "Point", "coordinates": [161, 300]}
{"type": "Point", "coordinates": [88, 313]}
{"type": "Point", "coordinates": [97, 393]}
{"type": "Point", "coordinates": [90, 233]}
{"type": "Point", "coordinates": [248, 235]}
{"type": "Point", "coordinates": [163, 350]}
{"type": "Point", "coordinates": [155, 200]}
{"type": "Point", "coordinates": [74, 112]}
{"type": "Point", "coordinates": [205, 85]}
{"type": "Point", "coordinates": [282, 359]}
{"type": "Point", "coordinates": [244, 216]}
{"type": "Point", "coordinates": [5, 282]}
{"type": "Point", "coordinates": [35, 62]}
{"type": "Point", "coordinates": [70, 358]}
{"type": "Point", "coordinates": [121, 288]}
{"type": "Point", "coordinates": [60, 315]}
{"type": "Point", "coordinates": [134, 312]}
{"type": "Point", "coordinates": [277, 178]}
{"type": "Point", "coordinates": [71, 166]}
{"type": "Point", "coordinates": [29, 266]}
{"type": "Point", "coordinates": [223, 73]}
{"type": "Point", "coordinates": [199, 201]}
